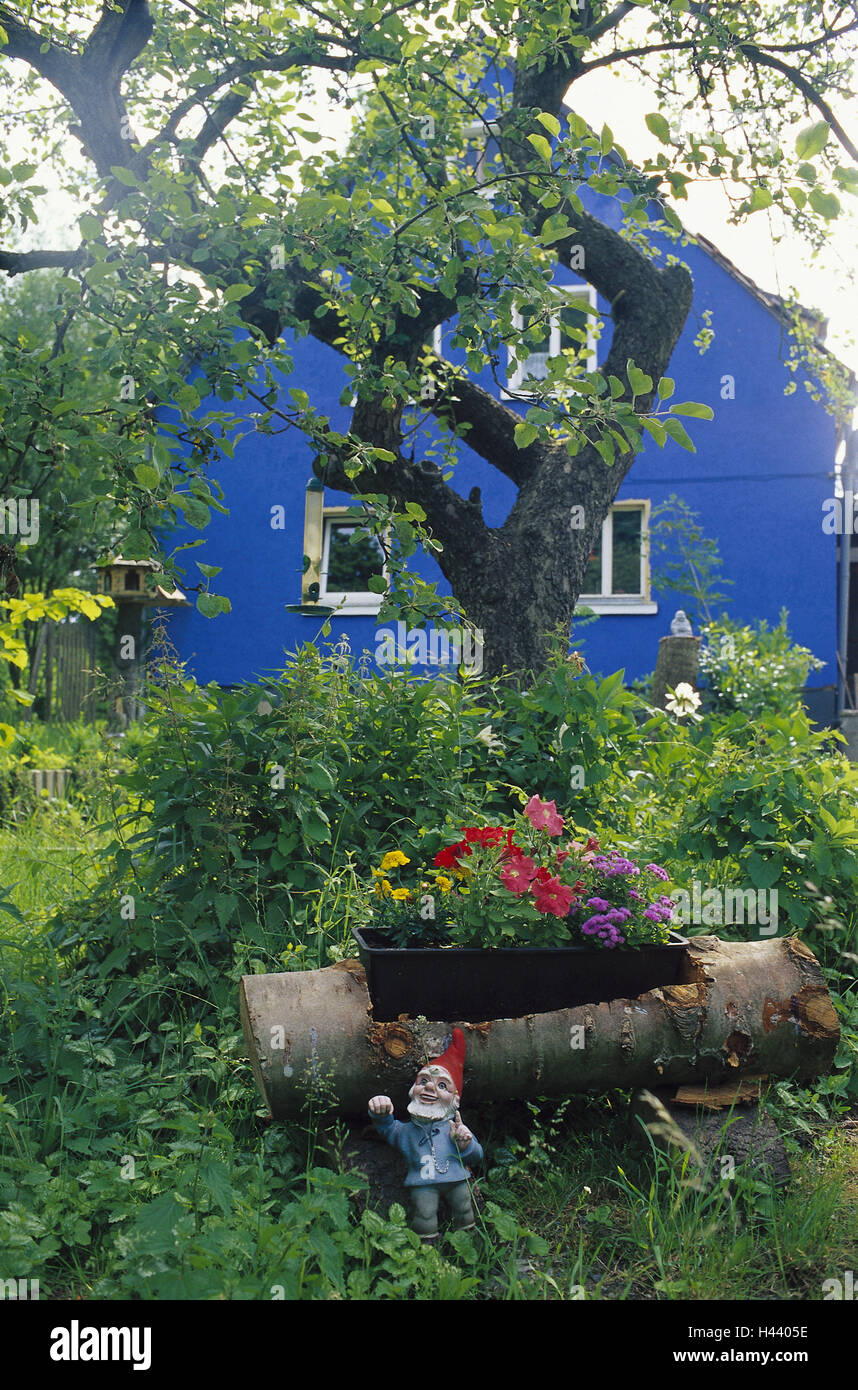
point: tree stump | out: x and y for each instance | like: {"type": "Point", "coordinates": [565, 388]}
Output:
{"type": "Point", "coordinates": [678, 660]}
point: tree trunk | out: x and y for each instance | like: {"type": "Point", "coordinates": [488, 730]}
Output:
{"type": "Point", "coordinates": [749, 1008]}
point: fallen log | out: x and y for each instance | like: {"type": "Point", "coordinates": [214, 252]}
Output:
{"type": "Point", "coordinates": [745, 1008]}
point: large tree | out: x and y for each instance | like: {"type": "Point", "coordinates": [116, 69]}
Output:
{"type": "Point", "coordinates": [201, 211]}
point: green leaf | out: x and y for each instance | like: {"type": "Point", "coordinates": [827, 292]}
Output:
{"type": "Point", "coordinates": [551, 123]}
{"type": "Point", "coordinates": [147, 476]}
{"type": "Point", "coordinates": [124, 176]}
{"type": "Point", "coordinates": [659, 127]}
{"type": "Point", "coordinates": [826, 204]}
{"type": "Point", "coordinates": [208, 570]}
{"type": "Point", "coordinates": [214, 1178]}
{"type": "Point", "coordinates": [678, 434]}
{"type": "Point", "coordinates": [605, 448]}
{"type": "Point", "coordinates": [798, 196]}
{"type": "Point", "coordinates": [158, 1219]}
{"type": "Point", "coordinates": [377, 584]}
{"type": "Point", "coordinates": [847, 178]}
{"type": "Point", "coordinates": [237, 291]}
{"type": "Point", "coordinates": [654, 428]}
{"type": "Point", "coordinates": [541, 145]}
{"type": "Point", "coordinates": [224, 906]}
{"type": "Point", "coordinates": [666, 387]}
{"type": "Point", "coordinates": [525, 434]}
{"type": "Point", "coordinates": [196, 512]}
{"type": "Point", "coordinates": [763, 872]}
{"type": "Point", "coordinates": [811, 140]}
{"type": "Point", "coordinates": [90, 226]}
{"type": "Point", "coordinates": [606, 140]}
{"type": "Point", "coordinates": [210, 605]}
{"type": "Point", "coordinates": [695, 408]}
{"type": "Point", "coordinates": [640, 383]}
{"type": "Point", "coordinates": [760, 198]}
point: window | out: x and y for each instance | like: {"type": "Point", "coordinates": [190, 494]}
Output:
{"type": "Point", "coordinates": [351, 556]}
{"type": "Point", "coordinates": [617, 576]}
{"type": "Point", "coordinates": [571, 326]}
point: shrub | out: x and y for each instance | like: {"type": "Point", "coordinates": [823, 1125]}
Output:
{"type": "Point", "coordinates": [753, 669]}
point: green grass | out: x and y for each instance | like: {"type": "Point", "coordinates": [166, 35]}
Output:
{"type": "Point", "coordinates": [49, 859]}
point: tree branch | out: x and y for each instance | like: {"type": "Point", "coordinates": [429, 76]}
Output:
{"type": "Point", "coordinates": [806, 88]}
{"type": "Point", "coordinates": [608, 22]}
{"type": "Point", "coordinates": [117, 39]}
{"type": "Point", "coordinates": [19, 262]}
{"type": "Point", "coordinates": [492, 425]}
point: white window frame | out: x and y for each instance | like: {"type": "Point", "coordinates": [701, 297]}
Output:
{"type": "Point", "coordinates": [353, 602]}
{"type": "Point", "coordinates": [517, 372]}
{"type": "Point", "coordinates": [606, 601]}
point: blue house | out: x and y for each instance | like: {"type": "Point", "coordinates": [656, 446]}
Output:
{"type": "Point", "coordinates": [759, 481]}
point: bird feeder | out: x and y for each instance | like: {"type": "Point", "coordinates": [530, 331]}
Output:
{"type": "Point", "coordinates": [126, 583]}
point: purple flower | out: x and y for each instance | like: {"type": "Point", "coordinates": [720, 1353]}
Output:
{"type": "Point", "coordinates": [613, 865]}
{"type": "Point", "coordinates": [659, 873]}
{"type": "Point", "coordinates": [653, 913]}
{"type": "Point", "coordinates": [601, 903]}
{"type": "Point", "coordinates": [594, 923]}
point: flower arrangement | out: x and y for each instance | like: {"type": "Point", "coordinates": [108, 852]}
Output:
{"type": "Point", "coordinates": [522, 885]}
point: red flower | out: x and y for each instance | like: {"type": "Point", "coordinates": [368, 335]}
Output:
{"type": "Point", "coordinates": [543, 815]}
{"type": "Point", "coordinates": [552, 896]}
{"type": "Point", "coordinates": [449, 858]}
{"type": "Point", "coordinates": [518, 874]}
{"type": "Point", "coordinates": [488, 835]}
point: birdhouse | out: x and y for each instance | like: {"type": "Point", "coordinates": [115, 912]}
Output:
{"type": "Point", "coordinates": [125, 582]}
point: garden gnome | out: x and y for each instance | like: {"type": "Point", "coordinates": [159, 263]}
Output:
{"type": "Point", "coordinates": [435, 1141]}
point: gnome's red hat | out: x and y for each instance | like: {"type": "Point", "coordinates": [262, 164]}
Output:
{"type": "Point", "coordinates": [453, 1060]}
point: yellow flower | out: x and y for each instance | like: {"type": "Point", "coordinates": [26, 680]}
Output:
{"type": "Point", "coordinates": [384, 888]}
{"type": "Point", "coordinates": [400, 894]}
{"type": "Point", "coordinates": [393, 860]}
{"type": "Point", "coordinates": [444, 883]}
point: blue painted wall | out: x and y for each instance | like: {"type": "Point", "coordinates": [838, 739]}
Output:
{"type": "Point", "coordinates": [758, 481]}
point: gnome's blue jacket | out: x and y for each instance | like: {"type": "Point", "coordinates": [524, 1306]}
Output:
{"type": "Point", "coordinates": [412, 1140]}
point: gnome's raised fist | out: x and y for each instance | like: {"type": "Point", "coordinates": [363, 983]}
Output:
{"type": "Point", "coordinates": [381, 1105]}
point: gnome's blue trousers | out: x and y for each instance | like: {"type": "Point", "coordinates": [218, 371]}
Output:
{"type": "Point", "coordinates": [425, 1206]}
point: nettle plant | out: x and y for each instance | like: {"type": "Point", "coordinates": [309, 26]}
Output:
{"type": "Point", "coordinates": [519, 884]}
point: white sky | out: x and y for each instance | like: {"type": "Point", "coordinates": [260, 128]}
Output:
{"type": "Point", "coordinates": [821, 282]}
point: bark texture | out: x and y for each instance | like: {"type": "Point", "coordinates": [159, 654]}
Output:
{"type": "Point", "coordinates": [747, 1008]}
{"type": "Point", "coordinates": [678, 660]}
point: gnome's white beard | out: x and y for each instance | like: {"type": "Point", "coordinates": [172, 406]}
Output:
{"type": "Point", "coordinates": [436, 1110]}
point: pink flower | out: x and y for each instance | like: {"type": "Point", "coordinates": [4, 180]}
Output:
{"type": "Point", "coordinates": [543, 816]}
{"type": "Point", "coordinates": [553, 896]}
{"type": "Point", "coordinates": [518, 874]}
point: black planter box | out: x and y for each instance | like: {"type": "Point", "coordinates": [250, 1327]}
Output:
{"type": "Point", "coordinates": [469, 985]}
